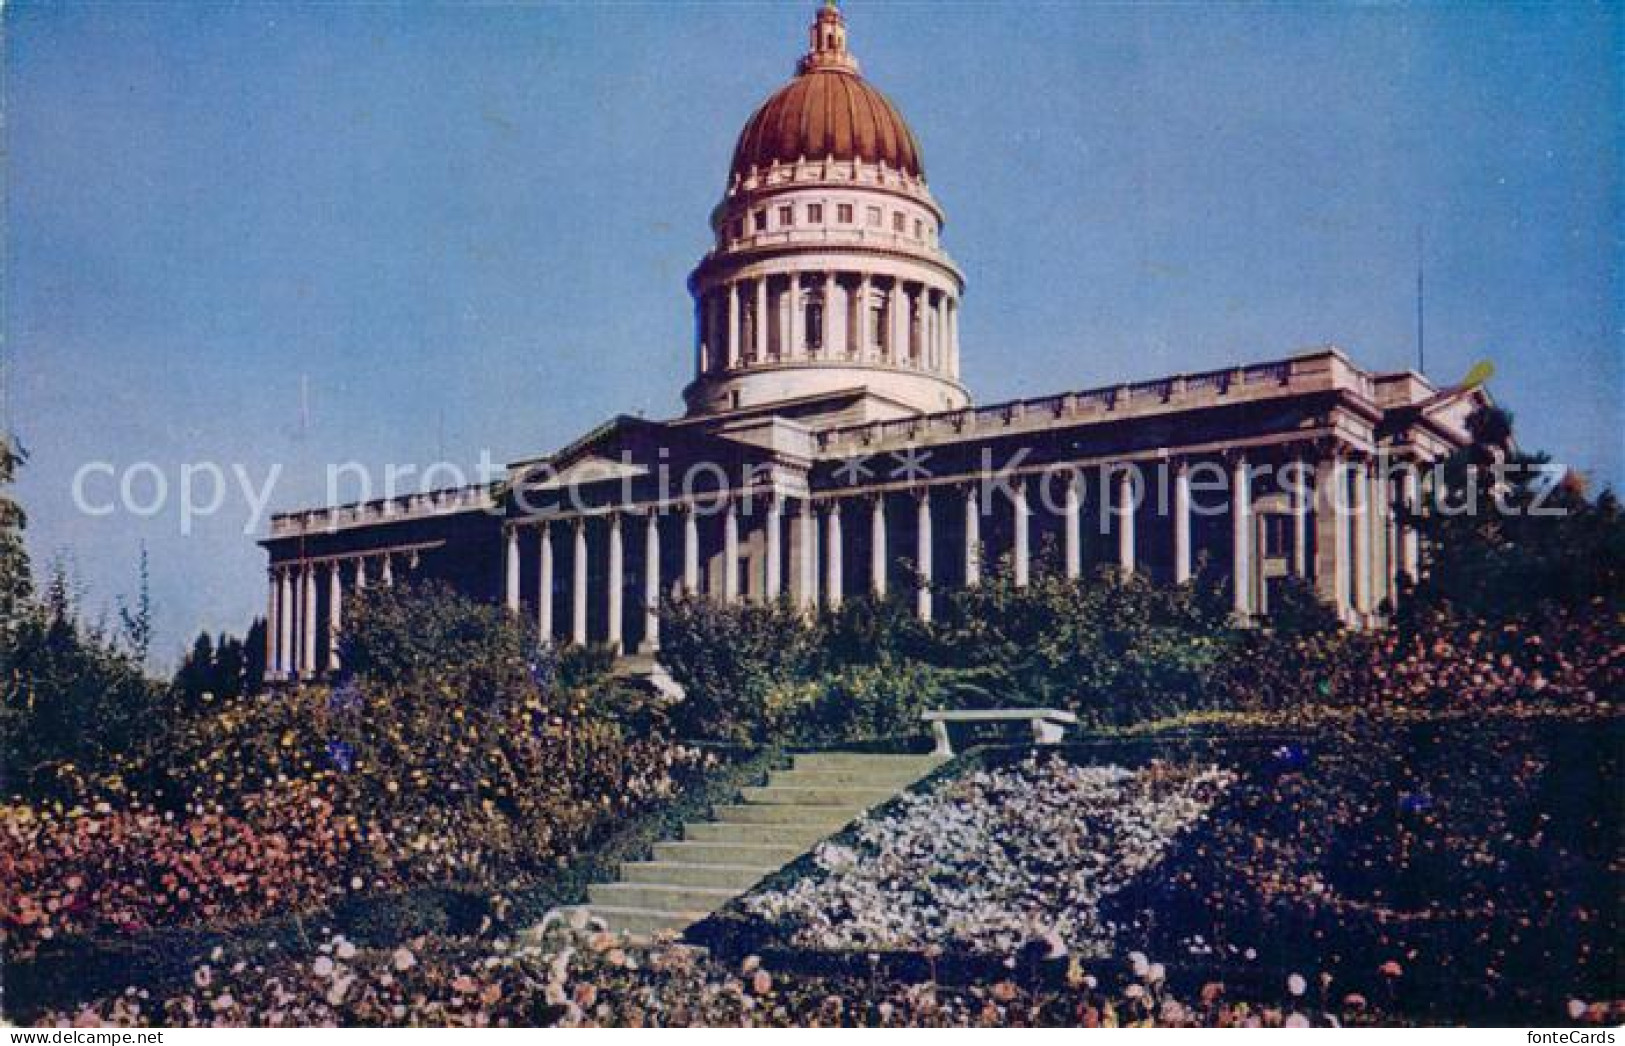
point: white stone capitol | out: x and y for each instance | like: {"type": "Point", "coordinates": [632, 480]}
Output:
{"type": "Point", "coordinates": [829, 448]}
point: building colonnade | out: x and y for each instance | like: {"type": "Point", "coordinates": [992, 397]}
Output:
{"type": "Point", "coordinates": [305, 606]}
{"type": "Point", "coordinates": [1338, 533]}
{"type": "Point", "coordinates": [823, 315]}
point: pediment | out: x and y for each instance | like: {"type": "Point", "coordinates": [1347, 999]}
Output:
{"type": "Point", "coordinates": [586, 470]}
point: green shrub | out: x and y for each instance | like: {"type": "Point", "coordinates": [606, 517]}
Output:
{"type": "Point", "coordinates": [1111, 649]}
{"type": "Point", "coordinates": [868, 702]}
{"type": "Point", "coordinates": [73, 701]}
{"type": "Point", "coordinates": [457, 744]}
{"type": "Point", "coordinates": [736, 664]}
{"type": "Point", "coordinates": [422, 632]}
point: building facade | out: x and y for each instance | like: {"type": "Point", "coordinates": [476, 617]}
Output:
{"type": "Point", "coordinates": [829, 448]}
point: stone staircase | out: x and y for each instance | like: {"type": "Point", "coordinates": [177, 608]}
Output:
{"type": "Point", "coordinates": [719, 859]}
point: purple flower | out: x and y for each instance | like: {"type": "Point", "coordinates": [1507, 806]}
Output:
{"type": "Point", "coordinates": [1415, 802]}
{"type": "Point", "coordinates": [341, 755]}
{"type": "Point", "coordinates": [345, 697]}
{"type": "Point", "coordinates": [1290, 757]}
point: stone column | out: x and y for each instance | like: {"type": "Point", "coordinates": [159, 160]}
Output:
{"type": "Point", "coordinates": [730, 553]}
{"type": "Point", "coordinates": [389, 570]}
{"type": "Point", "coordinates": [335, 614]}
{"type": "Point", "coordinates": [273, 623]}
{"type": "Point", "coordinates": [973, 538]}
{"type": "Point", "coordinates": [832, 557]}
{"type": "Point", "coordinates": [284, 632]}
{"type": "Point", "coordinates": [731, 355]}
{"type": "Point", "coordinates": [1377, 506]}
{"type": "Point", "coordinates": [296, 650]}
{"type": "Point", "coordinates": [877, 545]}
{"type": "Point", "coordinates": [651, 583]}
{"type": "Point", "coordinates": [897, 350]}
{"type": "Point", "coordinates": [760, 327]}
{"type": "Point", "coordinates": [788, 341]}
{"type": "Point", "coordinates": [923, 550]}
{"type": "Point", "coordinates": [939, 327]}
{"type": "Point", "coordinates": [361, 573]}
{"type": "Point", "coordinates": [1361, 527]}
{"type": "Point", "coordinates": [773, 582]}
{"type": "Point", "coordinates": [691, 551]}
{"type": "Point", "coordinates": [1410, 549]}
{"type": "Point", "coordinates": [578, 590]}
{"type": "Point", "coordinates": [828, 333]}
{"type": "Point", "coordinates": [1126, 512]}
{"type": "Point", "coordinates": [1331, 535]}
{"type": "Point", "coordinates": [307, 661]}
{"type": "Point", "coordinates": [1241, 537]}
{"type": "Point", "coordinates": [699, 334]}
{"type": "Point", "coordinates": [709, 322]}
{"type": "Point", "coordinates": [510, 553]}
{"type": "Point", "coordinates": [1072, 527]}
{"type": "Point", "coordinates": [1300, 519]}
{"type": "Point", "coordinates": [1022, 554]}
{"type": "Point", "coordinates": [544, 584]}
{"type": "Point", "coordinates": [1182, 522]}
{"type": "Point", "coordinates": [858, 343]}
{"type": "Point", "coordinates": [617, 579]}
{"type": "Point", "coordinates": [807, 557]}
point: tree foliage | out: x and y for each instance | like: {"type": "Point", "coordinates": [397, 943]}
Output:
{"type": "Point", "coordinates": [1508, 532]}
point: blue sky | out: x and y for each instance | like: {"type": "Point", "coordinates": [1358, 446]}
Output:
{"type": "Point", "coordinates": [264, 233]}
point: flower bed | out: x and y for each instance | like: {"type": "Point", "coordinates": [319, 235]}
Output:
{"type": "Point", "coordinates": [993, 859]}
{"type": "Point", "coordinates": [597, 980]}
{"type": "Point", "coordinates": [1459, 867]}
{"type": "Point", "coordinates": [310, 835]}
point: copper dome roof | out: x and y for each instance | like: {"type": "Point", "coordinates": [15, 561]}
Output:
{"type": "Point", "coordinates": [827, 111]}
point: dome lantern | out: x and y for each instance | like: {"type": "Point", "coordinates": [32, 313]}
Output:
{"type": "Point", "coordinates": [828, 43]}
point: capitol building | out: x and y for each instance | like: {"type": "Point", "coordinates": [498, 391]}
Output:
{"type": "Point", "coordinates": [827, 447]}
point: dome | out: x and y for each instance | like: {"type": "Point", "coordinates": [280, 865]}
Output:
{"type": "Point", "coordinates": [827, 111]}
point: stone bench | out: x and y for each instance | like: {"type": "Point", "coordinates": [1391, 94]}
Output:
{"type": "Point", "coordinates": [1048, 724]}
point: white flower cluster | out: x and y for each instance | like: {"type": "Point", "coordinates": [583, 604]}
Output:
{"type": "Point", "coordinates": [994, 859]}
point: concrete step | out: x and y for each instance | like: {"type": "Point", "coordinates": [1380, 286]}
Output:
{"type": "Point", "coordinates": [841, 798]}
{"type": "Point", "coordinates": [678, 873]}
{"type": "Point", "coordinates": [645, 921]}
{"type": "Point", "coordinates": [660, 896]}
{"type": "Point", "coordinates": [922, 764]}
{"type": "Point", "coordinates": [774, 855]}
{"type": "Point", "coordinates": [830, 817]}
{"type": "Point", "coordinates": [800, 836]}
{"type": "Point", "coordinates": [851, 777]}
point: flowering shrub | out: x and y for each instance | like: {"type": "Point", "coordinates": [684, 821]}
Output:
{"type": "Point", "coordinates": [598, 980]}
{"type": "Point", "coordinates": [449, 772]}
{"type": "Point", "coordinates": [1556, 658]}
{"type": "Point", "coordinates": [100, 870]}
{"type": "Point", "coordinates": [1474, 858]}
{"type": "Point", "coordinates": [994, 858]}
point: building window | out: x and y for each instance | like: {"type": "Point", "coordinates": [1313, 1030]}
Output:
{"type": "Point", "coordinates": [897, 222]}
{"type": "Point", "coordinates": [843, 213]}
{"type": "Point", "coordinates": [1277, 536]}
{"type": "Point", "coordinates": [815, 326]}
{"type": "Point", "coordinates": [874, 217]}
{"type": "Point", "coordinates": [919, 229]}
{"type": "Point", "coordinates": [761, 219]}
{"type": "Point", "coordinates": [787, 217]}
{"type": "Point", "coordinates": [815, 214]}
